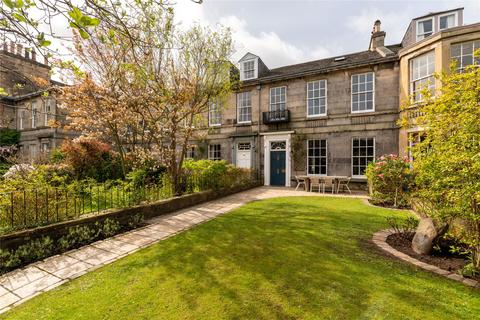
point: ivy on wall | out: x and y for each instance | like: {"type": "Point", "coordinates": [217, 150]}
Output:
{"type": "Point", "coordinates": [299, 151]}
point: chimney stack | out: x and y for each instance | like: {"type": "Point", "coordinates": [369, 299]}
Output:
{"type": "Point", "coordinates": [19, 49]}
{"type": "Point", "coordinates": [377, 39]}
{"type": "Point", "coordinates": [34, 55]}
{"type": "Point", "coordinates": [27, 53]}
{"type": "Point", "coordinates": [12, 47]}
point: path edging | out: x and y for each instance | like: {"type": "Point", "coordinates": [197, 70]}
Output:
{"type": "Point", "coordinates": [380, 240]}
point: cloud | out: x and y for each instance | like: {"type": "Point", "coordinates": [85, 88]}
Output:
{"type": "Point", "coordinates": [267, 44]}
{"type": "Point", "coordinates": [393, 23]}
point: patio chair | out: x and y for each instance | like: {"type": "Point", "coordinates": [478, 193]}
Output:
{"type": "Point", "coordinates": [314, 183]}
{"type": "Point", "coordinates": [343, 183]}
{"type": "Point", "coordinates": [328, 183]}
{"type": "Point", "coordinates": [301, 182]}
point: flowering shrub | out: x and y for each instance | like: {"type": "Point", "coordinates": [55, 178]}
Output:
{"type": "Point", "coordinates": [390, 180]}
{"type": "Point", "coordinates": [91, 159]}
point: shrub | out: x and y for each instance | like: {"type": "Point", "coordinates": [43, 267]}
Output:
{"type": "Point", "coordinates": [406, 228]}
{"type": "Point", "coordinates": [390, 181]}
{"type": "Point", "coordinates": [91, 159]}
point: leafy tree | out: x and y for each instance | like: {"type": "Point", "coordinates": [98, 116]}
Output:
{"type": "Point", "coordinates": [157, 88]}
{"type": "Point", "coordinates": [447, 161]}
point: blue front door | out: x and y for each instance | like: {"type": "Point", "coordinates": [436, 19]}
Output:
{"type": "Point", "coordinates": [277, 168]}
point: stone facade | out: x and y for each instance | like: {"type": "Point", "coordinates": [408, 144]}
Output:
{"type": "Point", "coordinates": [340, 126]}
{"type": "Point", "coordinates": [27, 108]}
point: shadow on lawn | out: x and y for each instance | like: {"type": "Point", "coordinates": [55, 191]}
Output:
{"type": "Point", "coordinates": [291, 258]}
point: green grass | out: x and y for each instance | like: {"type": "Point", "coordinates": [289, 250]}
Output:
{"type": "Point", "coordinates": [285, 258]}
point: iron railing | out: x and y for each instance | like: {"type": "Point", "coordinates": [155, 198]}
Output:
{"type": "Point", "coordinates": [278, 116]}
{"type": "Point", "coordinates": [27, 208]}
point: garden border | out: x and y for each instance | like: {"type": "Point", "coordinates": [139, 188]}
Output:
{"type": "Point", "coordinates": [56, 230]}
{"type": "Point", "coordinates": [380, 240]}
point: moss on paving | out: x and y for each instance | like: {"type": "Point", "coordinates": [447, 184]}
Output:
{"type": "Point", "coordinates": [284, 258]}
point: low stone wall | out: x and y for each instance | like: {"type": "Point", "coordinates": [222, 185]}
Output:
{"type": "Point", "coordinates": [57, 230]}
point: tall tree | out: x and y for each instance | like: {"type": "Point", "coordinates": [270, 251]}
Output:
{"type": "Point", "coordinates": [165, 82]}
{"type": "Point", "coordinates": [447, 161]}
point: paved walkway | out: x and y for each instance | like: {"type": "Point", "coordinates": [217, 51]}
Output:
{"type": "Point", "coordinates": [20, 285]}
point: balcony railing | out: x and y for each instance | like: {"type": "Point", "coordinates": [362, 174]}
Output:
{"type": "Point", "coordinates": [273, 117]}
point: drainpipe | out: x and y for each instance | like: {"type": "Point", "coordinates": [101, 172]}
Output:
{"type": "Point", "coordinates": [259, 90]}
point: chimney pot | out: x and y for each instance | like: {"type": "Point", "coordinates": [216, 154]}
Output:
{"type": "Point", "coordinates": [19, 49]}
{"type": "Point", "coordinates": [34, 55]}
{"type": "Point", "coordinates": [12, 47]}
{"type": "Point", "coordinates": [27, 53]}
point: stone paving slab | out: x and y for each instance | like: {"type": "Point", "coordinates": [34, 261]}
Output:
{"type": "Point", "coordinates": [21, 285]}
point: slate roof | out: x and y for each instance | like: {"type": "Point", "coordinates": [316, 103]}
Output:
{"type": "Point", "coordinates": [352, 60]}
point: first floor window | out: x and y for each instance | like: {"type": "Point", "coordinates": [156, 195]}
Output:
{"type": "Point", "coordinates": [278, 98]}
{"type": "Point", "coordinates": [214, 115]}
{"type": "Point", "coordinates": [463, 54]}
{"type": "Point", "coordinates": [244, 107]}
{"type": "Point", "coordinates": [214, 152]}
{"type": "Point", "coordinates": [34, 115]}
{"type": "Point", "coordinates": [21, 124]}
{"type": "Point", "coordinates": [363, 92]}
{"type": "Point", "coordinates": [422, 71]}
{"type": "Point", "coordinates": [47, 109]}
{"type": "Point", "coordinates": [317, 157]}
{"type": "Point", "coordinates": [363, 152]}
{"type": "Point", "coordinates": [317, 98]}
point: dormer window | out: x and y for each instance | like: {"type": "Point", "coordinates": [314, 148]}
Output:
{"type": "Point", "coordinates": [248, 69]}
{"type": "Point", "coordinates": [447, 21]}
{"type": "Point", "coordinates": [424, 28]}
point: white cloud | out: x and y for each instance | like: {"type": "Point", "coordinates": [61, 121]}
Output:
{"type": "Point", "coordinates": [273, 50]}
{"type": "Point", "coordinates": [393, 23]}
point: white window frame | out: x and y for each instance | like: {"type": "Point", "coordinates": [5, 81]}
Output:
{"type": "Point", "coordinates": [47, 108]}
{"type": "Point", "coordinates": [319, 97]}
{"type": "Point", "coordinates": [270, 98]}
{"type": "Point", "coordinates": [413, 80]}
{"type": "Point", "coordinates": [214, 107]}
{"type": "Point", "coordinates": [417, 35]}
{"type": "Point", "coordinates": [351, 150]}
{"type": "Point", "coordinates": [326, 159]}
{"type": "Point", "coordinates": [255, 67]}
{"type": "Point", "coordinates": [211, 153]}
{"type": "Point", "coordinates": [34, 115]}
{"type": "Point", "coordinates": [21, 119]}
{"type": "Point", "coordinates": [460, 65]}
{"type": "Point", "coordinates": [455, 15]}
{"type": "Point", "coordinates": [351, 93]}
{"type": "Point", "coordinates": [239, 106]}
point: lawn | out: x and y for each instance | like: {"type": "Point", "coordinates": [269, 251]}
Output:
{"type": "Point", "coordinates": [284, 258]}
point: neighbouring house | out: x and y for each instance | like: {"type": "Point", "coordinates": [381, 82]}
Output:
{"type": "Point", "coordinates": [27, 107]}
{"type": "Point", "coordinates": [332, 116]}
{"type": "Point", "coordinates": [430, 45]}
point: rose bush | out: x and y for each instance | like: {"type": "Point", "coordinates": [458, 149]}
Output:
{"type": "Point", "coordinates": [390, 181]}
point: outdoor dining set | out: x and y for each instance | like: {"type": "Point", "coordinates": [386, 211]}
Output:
{"type": "Point", "coordinates": [322, 183]}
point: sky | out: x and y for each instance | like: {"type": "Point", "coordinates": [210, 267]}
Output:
{"type": "Point", "coordinates": [285, 32]}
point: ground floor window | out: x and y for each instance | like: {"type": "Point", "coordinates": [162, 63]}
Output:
{"type": "Point", "coordinates": [190, 153]}
{"type": "Point", "coordinates": [317, 157]}
{"type": "Point", "coordinates": [363, 152]}
{"type": "Point", "coordinates": [413, 139]}
{"type": "Point", "coordinates": [214, 152]}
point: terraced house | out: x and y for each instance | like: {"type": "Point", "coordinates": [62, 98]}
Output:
{"type": "Point", "coordinates": [333, 116]}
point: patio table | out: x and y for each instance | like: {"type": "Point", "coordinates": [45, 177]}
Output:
{"type": "Point", "coordinates": [336, 180]}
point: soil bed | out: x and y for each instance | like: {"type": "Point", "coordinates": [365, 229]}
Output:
{"type": "Point", "coordinates": [445, 261]}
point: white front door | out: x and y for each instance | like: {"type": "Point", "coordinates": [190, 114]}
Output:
{"type": "Point", "coordinates": [244, 155]}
